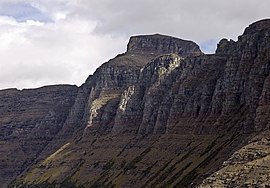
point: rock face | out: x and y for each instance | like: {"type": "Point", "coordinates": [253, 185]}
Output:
{"type": "Point", "coordinates": [162, 44]}
{"type": "Point", "coordinates": [163, 114]}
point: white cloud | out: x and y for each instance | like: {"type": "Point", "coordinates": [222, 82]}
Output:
{"type": "Point", "coordinates": [79, 35]}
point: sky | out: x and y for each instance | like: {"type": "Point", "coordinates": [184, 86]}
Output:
{"type": "Point", "coordinates": [45, 42]}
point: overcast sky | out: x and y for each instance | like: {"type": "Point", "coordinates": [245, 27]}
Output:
{"type": "Point", "coordinates": [63, 41]}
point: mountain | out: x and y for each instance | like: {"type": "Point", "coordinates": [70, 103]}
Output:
{"type": "Point", "coordinates": [162, 114]}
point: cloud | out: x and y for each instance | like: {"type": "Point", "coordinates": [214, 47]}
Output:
{"type": "Point", "coordinates": [63, 41]}
{"type": "Point", "coordinates": [35, 54]}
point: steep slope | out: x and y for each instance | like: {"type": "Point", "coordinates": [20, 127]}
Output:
{"type": "Point", "coordinates": [163, 114]}
{"type": "Point", "coordinates": [29, 120]}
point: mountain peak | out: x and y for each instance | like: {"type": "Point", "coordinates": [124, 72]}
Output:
{"type": "Point", "coordinates": [257, 26]}
{"type": "Point", "coordinates": [158, 43]}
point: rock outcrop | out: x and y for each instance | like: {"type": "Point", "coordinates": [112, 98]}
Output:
{"type": "Point", "coordinates": [160, 44]}
{"type": "Point", "coordinates": [163, 114]}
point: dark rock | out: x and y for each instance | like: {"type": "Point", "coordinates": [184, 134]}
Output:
{"type": "Point", "coordinates": [162, 44]}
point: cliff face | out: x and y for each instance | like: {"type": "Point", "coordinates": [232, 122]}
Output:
{"type": "Point", "coordinates": [161, 114]}
{"type": "Point", "coordinates": [116, 78]}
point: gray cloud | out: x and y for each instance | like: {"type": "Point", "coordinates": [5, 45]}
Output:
{"type": "Point", "coordinates": [82, 34]}
{"type": "Point", "coordinates": [193, 19]}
